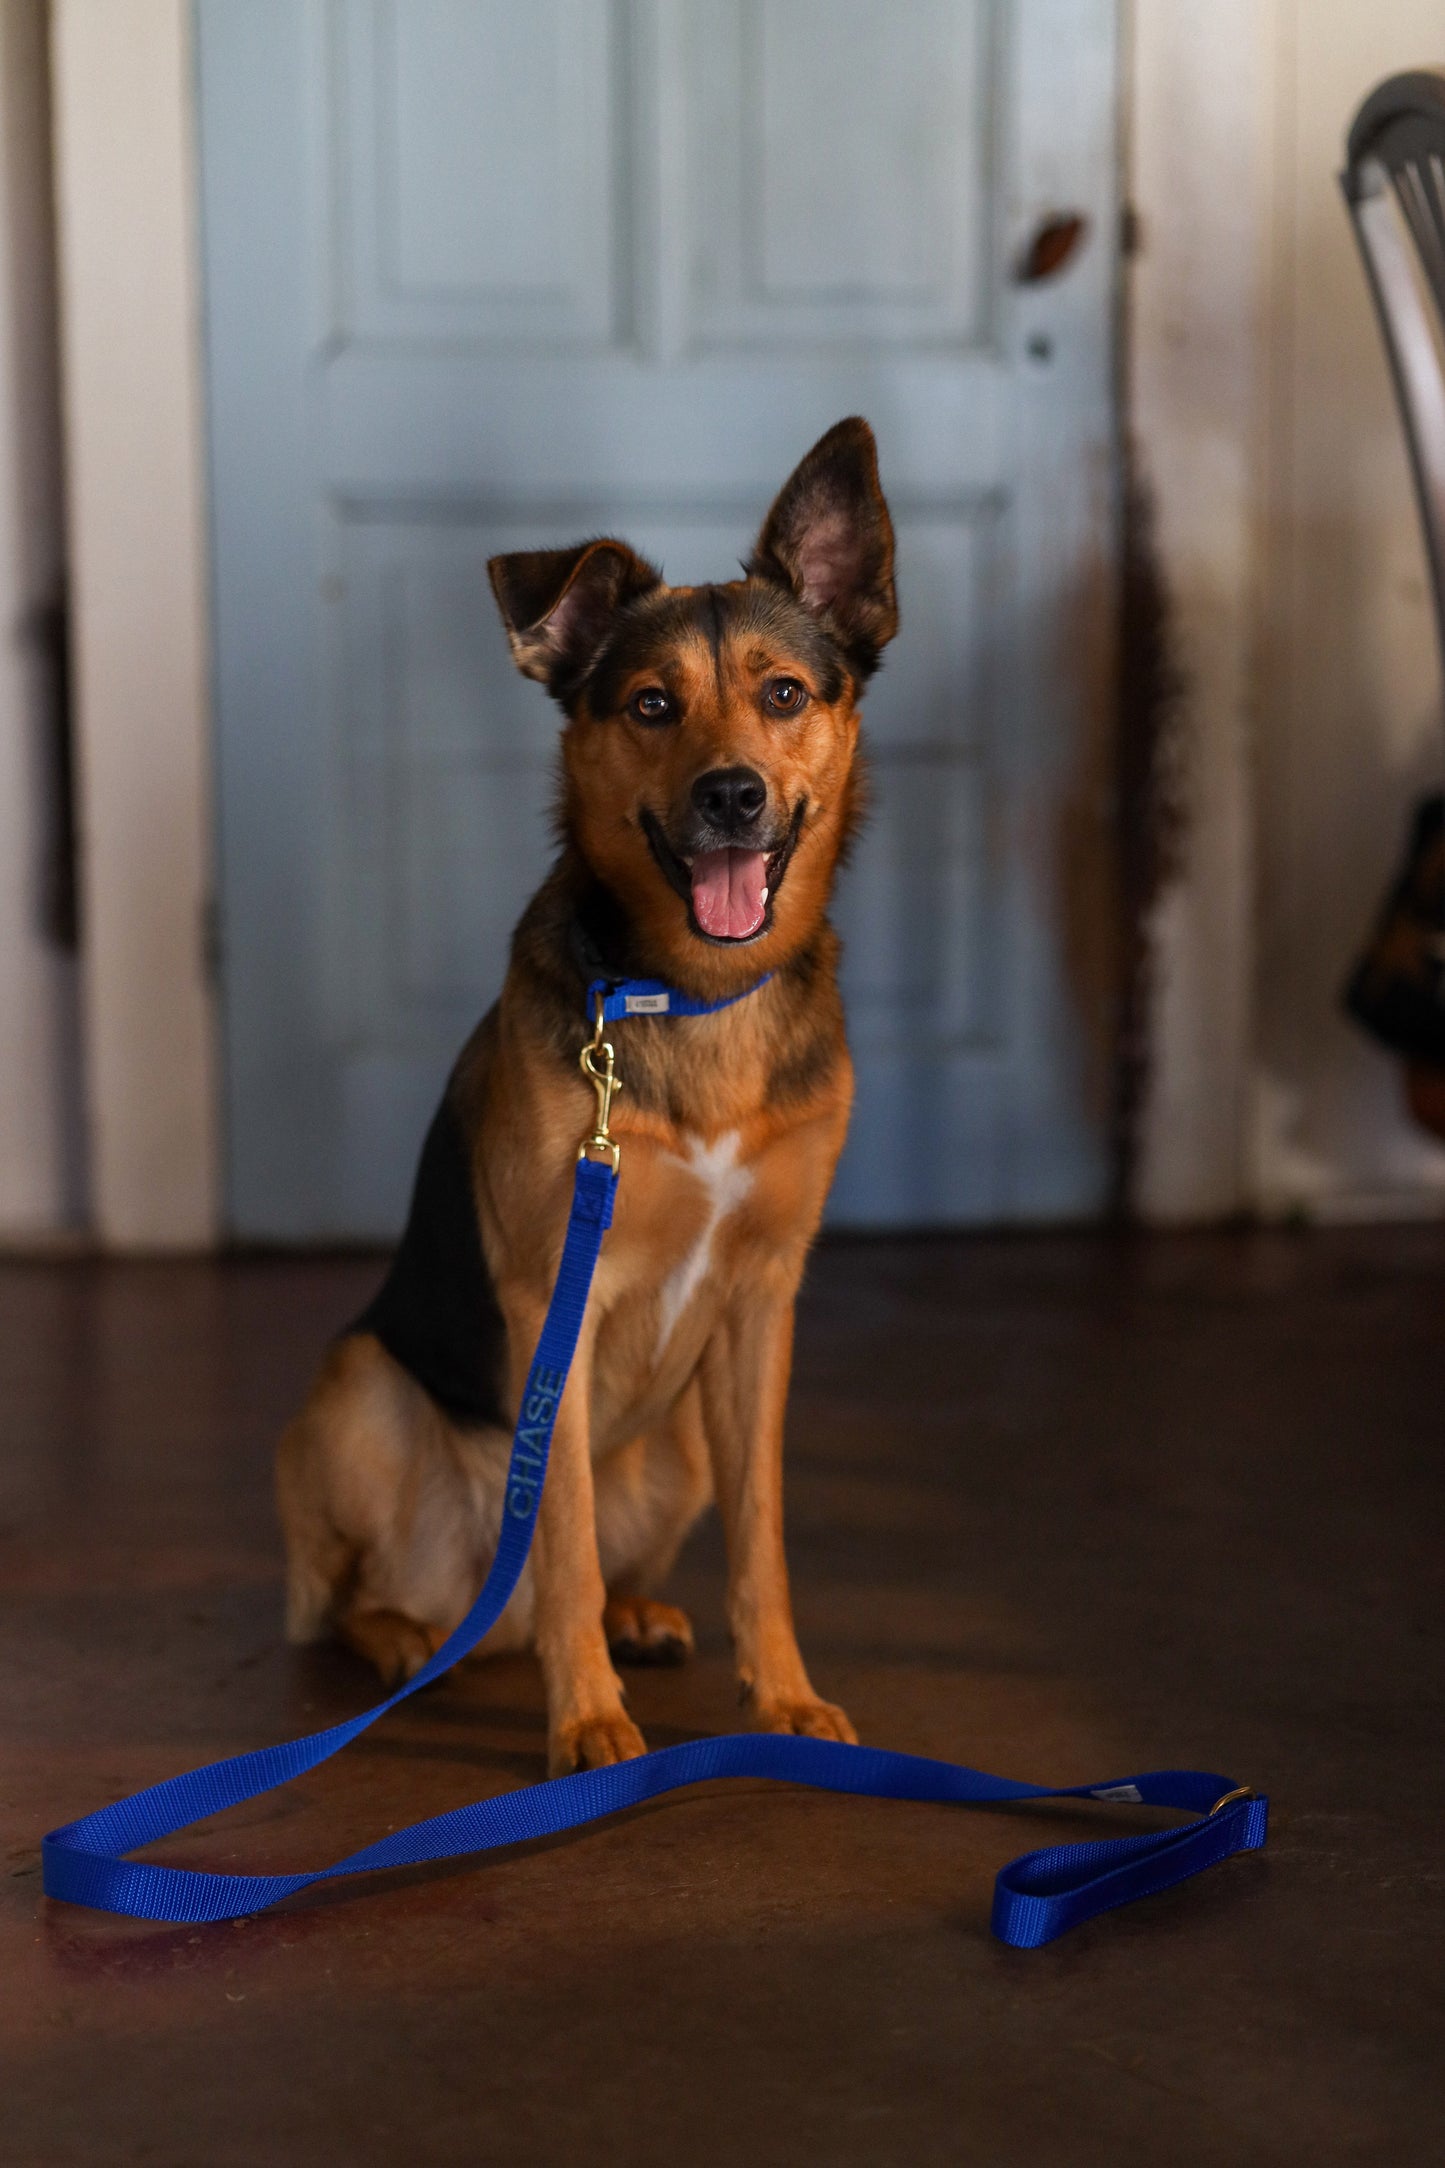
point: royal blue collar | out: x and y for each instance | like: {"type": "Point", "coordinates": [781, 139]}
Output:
{"type": "Point", "coordinates": [652, 997]}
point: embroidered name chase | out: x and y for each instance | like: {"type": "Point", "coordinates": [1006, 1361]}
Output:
{"type": "Point", "coordinates": [534, 1433]}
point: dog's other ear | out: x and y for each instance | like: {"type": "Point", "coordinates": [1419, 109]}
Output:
{"type": "Point", "coordinates": [557, 605]}
{"type": "Point", "coordinates": [829, 538]}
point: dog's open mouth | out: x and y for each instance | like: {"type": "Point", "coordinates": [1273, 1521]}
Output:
{"type": "Point", "coordinates": [729, 891]}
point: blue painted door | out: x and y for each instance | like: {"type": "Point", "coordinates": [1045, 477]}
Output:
{"type": "Point", "coordinates": [480, 276]}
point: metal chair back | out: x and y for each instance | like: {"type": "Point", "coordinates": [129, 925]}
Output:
{"type": "Point", "coordinates": [1394, 184]}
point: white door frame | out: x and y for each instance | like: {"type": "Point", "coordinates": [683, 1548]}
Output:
{"type": "Point", "coordinates": [1199, 133]}
{"type": "Point", "coordinates": [135, 508]}
{"type": "Point", "coordinates": [124, 102]}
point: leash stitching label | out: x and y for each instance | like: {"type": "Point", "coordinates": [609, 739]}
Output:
{"type": "Point", "coordinates": [647, 1004]}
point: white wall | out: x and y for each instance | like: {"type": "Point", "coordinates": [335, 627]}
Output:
{"type": "Point", "coordinates": [40, 1150]}
{"type": "Point", "coordinates": [1293, 554]}
{"type": "Point", "coordinates": [1199, 150]}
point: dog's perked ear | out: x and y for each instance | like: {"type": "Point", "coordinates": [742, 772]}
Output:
{"type": "Point", "coordinates": [558, 605]}
{"type": "Point", "coordinates": [829, 538]}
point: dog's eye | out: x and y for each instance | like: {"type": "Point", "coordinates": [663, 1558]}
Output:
{"type": "Point", "coordinates": [651, 705]}
{"type": "Point", "coordinates": [785, 696]}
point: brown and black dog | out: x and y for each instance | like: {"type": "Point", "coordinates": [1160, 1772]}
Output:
{"type": "Point", "coordinates": [710, 780]}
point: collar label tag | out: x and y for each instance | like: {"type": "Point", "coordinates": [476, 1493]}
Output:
{"type": "Point", "coordinates": [647, 1004]}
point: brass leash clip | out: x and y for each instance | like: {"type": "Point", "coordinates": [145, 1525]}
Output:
{"type": "Point", "coordinates": [598, 1065]}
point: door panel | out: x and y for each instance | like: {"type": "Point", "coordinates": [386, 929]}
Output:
{"type": "Point", "coordinates": [838, 180]}
{"type": "Point", "coordinates": [441, 109]}
{"type": "Point", "coordinates": [481, 278]}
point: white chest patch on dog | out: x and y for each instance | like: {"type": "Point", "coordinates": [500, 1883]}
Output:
{"type": "Point", "coordinates": [716, 1167]}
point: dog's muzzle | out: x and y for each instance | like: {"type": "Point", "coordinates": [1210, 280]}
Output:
{"type": "Point", "coordinates": [727, 864]}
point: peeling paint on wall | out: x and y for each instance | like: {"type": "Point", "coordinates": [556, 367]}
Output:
{"type": "Point", "coordinates": [1150, 811]}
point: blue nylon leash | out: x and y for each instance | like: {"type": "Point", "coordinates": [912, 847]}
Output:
{"type": "Point", "coordinates": [1036, 1897]}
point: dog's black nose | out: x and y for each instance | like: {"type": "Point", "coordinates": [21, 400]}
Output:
{"type": "Point", "coordinates": [730, 798]}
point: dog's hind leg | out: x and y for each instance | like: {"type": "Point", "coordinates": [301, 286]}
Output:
{"type": "Point", "coordinates": [320, 1560]}
{"type": "Point", "coordinates": [389, 1515]}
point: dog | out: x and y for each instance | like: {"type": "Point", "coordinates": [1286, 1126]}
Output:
{"type": "Point", "coordinates": [711, 779]}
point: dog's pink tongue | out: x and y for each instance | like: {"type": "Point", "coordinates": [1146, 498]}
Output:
{"type": "Point", "coordinates": [728, 896]}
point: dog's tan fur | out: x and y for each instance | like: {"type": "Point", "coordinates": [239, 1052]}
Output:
{"type": "Point", "coordinates": [730, 1126]}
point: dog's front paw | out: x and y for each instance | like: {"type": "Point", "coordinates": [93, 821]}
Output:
{"type": "Point", "coordinates": [593, 1742]}
{"type": "Point", "coordinates": [806, 1718]}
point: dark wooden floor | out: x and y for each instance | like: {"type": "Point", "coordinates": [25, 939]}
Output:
{"type": "Point", "coordinates": [1060, 1507]}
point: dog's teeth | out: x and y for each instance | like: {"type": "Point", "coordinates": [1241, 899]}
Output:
{"type": "Point", "coordinates": [765, 896]}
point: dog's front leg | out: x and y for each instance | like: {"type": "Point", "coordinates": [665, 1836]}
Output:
{"type": "Point", "coordinates": [744, 1375]}
{"type": "Point", "coordinates": [587, 1725]}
